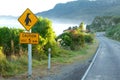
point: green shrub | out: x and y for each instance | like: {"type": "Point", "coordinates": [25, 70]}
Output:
{"type": "Point", "coordinates": [65, 39]}
{"type": "Point", "coordinates": [7, 68]}
{"type": "Point", "coordinates": [114, 32]}
{"type": "Point", "coordinates": [39, 56]}
{"type": "Point", "coordinates": [56, 51]}
{"type": "Point", "coordinates": [77, 41]}
{"type": "Point", "coordinates": [88, 38]}
{"type": "Point", "coordinates": [10, 68]}
{"type": "Point", "coordinates": [22, 60]}
{"type": "Point", "coordinates": [39, 52]}
{"type": "Point", "coordinates": [2, 56]}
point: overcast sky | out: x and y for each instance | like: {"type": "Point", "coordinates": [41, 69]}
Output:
{"type": "Point", "coordinates": [17, 7]}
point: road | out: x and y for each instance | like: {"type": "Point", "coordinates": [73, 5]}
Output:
{"type": "Point", "coordinates": [107, 62]}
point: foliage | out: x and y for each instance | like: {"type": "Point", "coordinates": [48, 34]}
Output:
{"type": "Point", "coordinates": [102, 23]}
{"type": "Point", "coordinates": [38, 52]}
{"type": "Point", "coordinates": [47, 37]}
{"type": "Point", "coordinates": [9, 40]}
{"type": "Point", "coordinates": [11, 52]}
{"type": "Point", "coordinates": [75, 38]}
{"type": "Point", "coordinates": [6, 67]}
{"type": "Point", "coordinates": [2, 56]}
{"type": "Point", "coordinates": [109, 24]}
{"type": "Point", "coordinates": [5, 40]}
{"type": "Point", "coordinates": [66, 39]}
{"type": "Point", "coordinates": [89, 38]}
{"type": "Point", "coordinates": [114, 32]}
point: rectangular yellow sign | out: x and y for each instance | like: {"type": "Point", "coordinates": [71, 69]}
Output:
{"type": "Point", "coordinates": [29, 38]}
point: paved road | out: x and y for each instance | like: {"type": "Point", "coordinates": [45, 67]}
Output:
{"type": "Point", "coordinates": [107, 63]}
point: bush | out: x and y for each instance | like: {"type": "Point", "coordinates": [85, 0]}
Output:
{"type": "Point", "coordinates": [88, 38]}
{"type": "Point", "coordinates": [77, 41]}
{"type": "Point", "coordinates": [9, 68]}
{"type": "Point", "coordinates": [6, 68]}
{"type": "Point", "coordinates": [72, 40]}
{"type": "Point", "coordinates": [2, 56]}
{"type": "Point", "coordinates": [114, 32]}
{"type": "Point", "coordinates": [23, 60]}
{"type": "Point", "coordinates": [39, 56]}
{"type": "Point", "coordinates": [38, 52]}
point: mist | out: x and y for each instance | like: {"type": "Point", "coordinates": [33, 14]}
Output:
{"type": "Point", "coordinates": [58, 26]}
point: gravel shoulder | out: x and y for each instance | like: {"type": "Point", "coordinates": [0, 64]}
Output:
{"type": "Point", "coordinates": [73, 71]}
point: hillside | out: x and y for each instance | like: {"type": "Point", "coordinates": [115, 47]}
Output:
{"type": "Point", "coordinates": [7, 17]}
{"type": "Point", "coordinates": [114, 32]}
{"type": "Point", "coordinates": [104, 22]}
{"type": "Point", "coordinates": [82, 10]}
{"type": "Point", "coordinates": [109, 24]}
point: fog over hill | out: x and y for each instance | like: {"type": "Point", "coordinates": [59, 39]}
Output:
{"type": "Point", "coordinates": [82, 10]}
{"type": "Point", "coordinates": [7, 17]}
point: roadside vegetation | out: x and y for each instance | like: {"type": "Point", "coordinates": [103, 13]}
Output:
{"type": "Point", "coordinates": [13, 55]}
{"type": "Point", "coordinates": [108, 24]}
{"type": "Point", "coordinates": [114, 32]}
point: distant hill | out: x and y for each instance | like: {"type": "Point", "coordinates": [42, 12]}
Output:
{"type": "Point", "coordinates": [109, 24]}
{"type": "Point", "coordinates": [7, 17]}
{"type": "Point", "coordinates": [82, 10]}
{"type": "Point", "coordinates": [104, 23]}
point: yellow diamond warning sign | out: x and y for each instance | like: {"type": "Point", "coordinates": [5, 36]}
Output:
{"type": "Point", "coordinates": [28, 19]}
{"type": "Point", "coordinates": [29, 38]}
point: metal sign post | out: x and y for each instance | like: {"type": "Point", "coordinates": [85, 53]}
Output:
{"type": "Point", "coordinates": [49, 58]}
{"type": "Point", "coordinates": [49, 62]}
{"type": "Point", "coordinates": [29, 59]}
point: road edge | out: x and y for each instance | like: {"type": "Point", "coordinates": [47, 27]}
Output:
{"type": "Point", "coordinates": [91, 64]}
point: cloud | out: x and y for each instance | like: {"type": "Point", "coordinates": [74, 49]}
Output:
{"type": "Point", "coordinates": [17, 7]}
{"type": "Point", "coordinates": [92, 0]}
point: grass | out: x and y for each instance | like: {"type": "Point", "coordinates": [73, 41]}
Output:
{"type": "Point", "coordinates": [66, 58]}
{"type": "Point", "coordinates": [19, 66]}
{"type": "Point", "coordinates": [82, 54]}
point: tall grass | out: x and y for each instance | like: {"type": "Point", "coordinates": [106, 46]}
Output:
{"type": "Point", "coordinates": [18, 65]}
{"type": "Point", "coordinates": [79, 55]}
{"type": "Point", "coordinates": [15, 65]}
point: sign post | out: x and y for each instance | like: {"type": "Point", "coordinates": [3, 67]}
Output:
{"type": "Point", "coordinates": [49, 58]}
{"type": "Point", "coordinates": [49, 61]}
{"type": "Point", "coordinates": [29, 60]}
{"type": "Point", "coordinates": [28, 20]}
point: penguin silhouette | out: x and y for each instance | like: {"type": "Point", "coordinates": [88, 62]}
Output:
{"type": "Point", "coordinates": [27, 20]}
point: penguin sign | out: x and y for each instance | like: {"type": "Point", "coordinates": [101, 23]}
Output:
{"type": "Point", "coordinates": [28, 19]}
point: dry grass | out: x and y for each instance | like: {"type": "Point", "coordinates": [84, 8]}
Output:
{"type": "Point", "coordinates": [57, 63]}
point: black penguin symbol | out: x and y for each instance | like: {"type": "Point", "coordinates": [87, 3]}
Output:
{"type": "Point", "coordinates": [27, 20]}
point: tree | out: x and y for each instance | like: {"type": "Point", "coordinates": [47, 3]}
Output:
{"type": "Point", "coordinates": [5, 40]}
{"type": "Point", "coordinates": [44, 28]}
{"type": "Point", "coordinates": [9, 40]}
